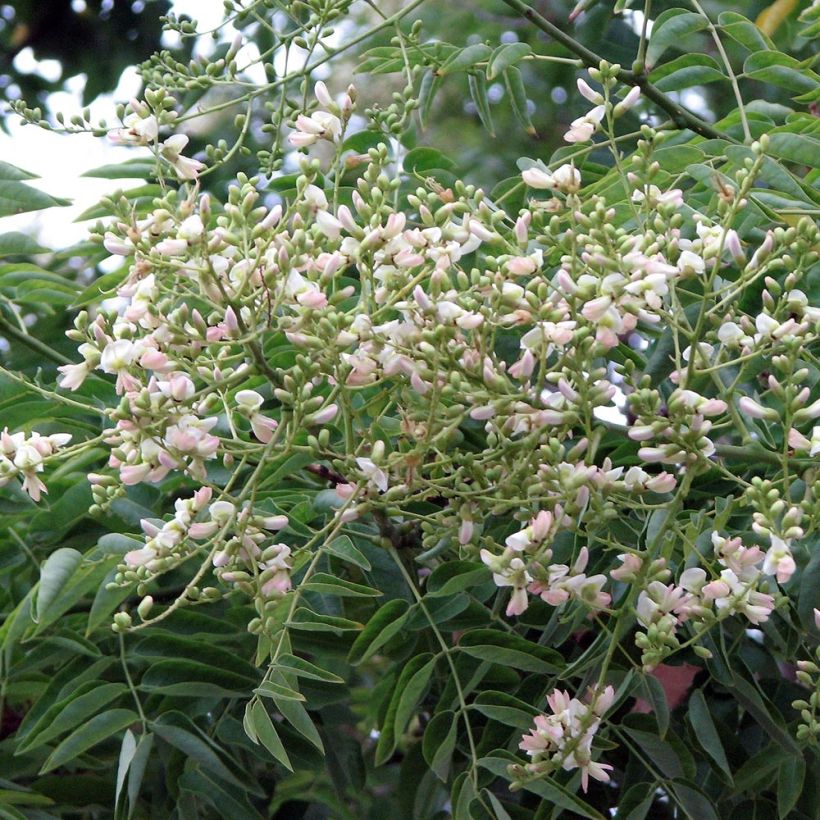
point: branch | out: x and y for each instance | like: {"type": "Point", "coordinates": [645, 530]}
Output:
{"type": "Point", "coordinates": [681, 116]}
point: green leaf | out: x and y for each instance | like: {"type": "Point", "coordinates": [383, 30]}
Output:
{"type": "Point", "coordinates": [500, 812]}
{"type": "Point", "coordinates": [478, 92]}
{"type": "Point", "coordinates": [636, 803]}
{"type": "Point", "coordinates": [800, 148]}
{"type": "Point", "coordinates": [15, 243]}
{"type": "Point", "coordinates": [101, 287]}
{"type": "Point", "coordinates": [77, 710]}
{"type": "Point", "coordinates": [264, 732]}
{"type": "Point", "coordinates": [139, 763]}
{"type": "Point", "coordinates": [269, 689]}
{"type": "Point", "coordinates": [669, 29]}
{"type": "Point", "coordinates": [97, 730]}
{"type": "Point", "coordinates": [16, 197]}
{"type": "Point", "coordinates": [54, 575]}
{"type": "Point", "coordinates": [381, 627]}
{"type": "Point", "coordinates": [693, 801]}
{"type": "Point", "coordinates": [809, 597]}
{"type": "Point", "coordinates": [430, 85]}
{"type": "Point", "coordinates": [423, 159]}
{"type": "Point", "coordinates": [762, 711]}
{"type": "Point", "coordinates": [196, 749]}
{"type": "Point", "coordinates": [517, 92]}
{"type": "Point", "coordinates": [439, 743]}
{"type": "Point", "coordinates": [510, 650]}
{"type": "Point", "coordinates": [743, 31]}
{"type": "Point", "coordinates": [686, 71]}
{"type": "Point", "coordinates": [465, 58]}
{"type": "Point", "coordinates": [115, 543]}
{"type": "Point", "coordinates": [387, 738]}
{"type": "Point", "coordinates": [293, 665]}
{"type": "Point", "coordinates": [9, 171]}
{"type": "Point", "coordinates": [455, 576]}
{"type": "Point", "coordinates": [411, 696]}
{"type": "Point", "coordinates": [190, 679]}
{"type": "Point", "coordinates": [331, 585]}
{"type": "Point", "coordinates": [296, 714]}
{"type": "Point", "coordinates": [660, 752]}
{"type": "Point", "coordinates": [780, 69]}
{"type": "Point", "coordinates": [127, 752]}
{"type": "Point", "coordinates": [342, 547]}
{"type": "Point", "coordinates": [790, 778]}
{"type": "Point", "coordinates": [362, 141]}
{"type": "Point", "coordinates": [130, 169]}
{"type": "Point", "coordinates": [706, 732]}
{"type": "Point", "coordinates": [505, 56]}
{"type": "Point", "coordinates": [308, 621]}
{"type": "Point", "coordinates": [656, 697]}
{"type": "Point", "coordinates": [505, 709]}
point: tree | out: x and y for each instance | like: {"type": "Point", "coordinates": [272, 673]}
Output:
{"type": "Point", "coordinates": [358, 485]}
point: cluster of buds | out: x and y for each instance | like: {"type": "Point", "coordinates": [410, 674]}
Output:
{"type": "Point", "coordinates": [736, 590]}
{"type": "Point", "coordinates": [583, 128]}
{"type": "Point", "coordinates": [23, 457]}
{"type": "Point", "coordinates": [238, 539]}
{"type": "Point", "coordinates": [680, 435]}
{"type": "Point", "coordinates": [808, 674]}
{"type": "Point", "coordinates": [563, 739]}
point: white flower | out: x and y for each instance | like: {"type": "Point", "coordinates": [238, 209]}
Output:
{"type": "Point", "coordinates": [186, 168]}
{"type": "Point", "coordinates": [375, 475]}
{"type": "Point", "coordinates": [137, 130]}
{"type": "Point", "coordinates": [119, 355]}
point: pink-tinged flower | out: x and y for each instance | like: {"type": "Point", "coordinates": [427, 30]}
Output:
{"type": "Point", "coordinates": [588, 92]}
{"type": "Point", "coordinates": [202, 529]}
{"type": "Point", "coordinates": [310, 129]}
{"type": "Point", "coordinates": [134, 473]}
{"type": "Point", "coordinates": [140, 557]}
{"type": "Point", "coordinates": [116, 245]}
{"type": "Point", "coordinates": [563, 739]}
{"type": "Point", "coordinates": [326, 414]}
{"type": "Point", "coordinates": [538, 178]}
{"type": "Point", "coordinates": [779, 561]}
{"type": "Point", "coordinates": [595, 309]}
{"type": "Point", "coordinates": [465, 532]}
{"type": "Point", "coordinates": [630, 567]}
{"type": "Point", "coordinates": [177, 387]}
{"type": "Point", "coordinates": [119, 355]}
{"type": "Point", "coordinates": [756, 411]}
{"type": "Point", "coordinates": [582, 129]}
{"type": "Point", "coordinates": [186, 168]}
{"type": "Point", "coordinates": [632, 97]}
{"type": "Point", "coordinates": [137, 130]}
{"type": "Point", "coordinates": [817, 619]}
{"type": "Point", "coordinates": [662, 483]}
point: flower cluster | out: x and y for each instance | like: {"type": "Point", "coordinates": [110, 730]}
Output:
{"type": "Point", "coordinates": [23, 457]}
{"type": "Point", "coordinates": [739, 588]}
{"type": "Point", "coordinates": [239, 541]}
{"type": "Point", "coordinates": [563, 739]}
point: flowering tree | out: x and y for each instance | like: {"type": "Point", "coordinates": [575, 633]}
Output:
{"type": "Point", "coordinates": [363, 484]}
